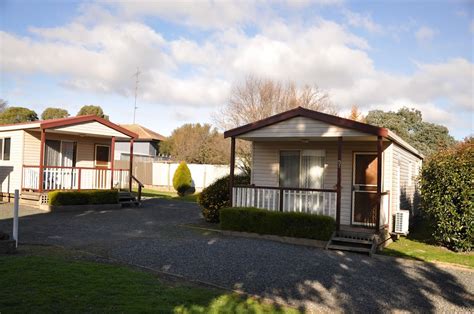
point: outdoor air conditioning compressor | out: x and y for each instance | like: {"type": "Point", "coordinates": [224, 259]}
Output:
{"type": "Point", "coordinates": [402, 220]}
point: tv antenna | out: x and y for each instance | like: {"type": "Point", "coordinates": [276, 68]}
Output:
{"type": "Point", "coordinates": [136, 75]}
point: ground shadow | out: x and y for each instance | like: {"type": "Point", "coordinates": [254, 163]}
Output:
{"type": "Point", "coordinates": [308, 278]}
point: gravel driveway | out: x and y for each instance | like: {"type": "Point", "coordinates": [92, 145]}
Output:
{"type": "Point", "coordinates": [312, 279]}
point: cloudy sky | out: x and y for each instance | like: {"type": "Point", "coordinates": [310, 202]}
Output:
{"type": "Point", "coordinates": [376, 54]}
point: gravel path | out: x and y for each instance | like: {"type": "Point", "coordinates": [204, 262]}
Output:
{"type": "Point", "coordinates": [312, 279]}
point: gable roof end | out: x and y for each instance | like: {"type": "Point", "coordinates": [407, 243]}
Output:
{"type": "Point", "coordinates": [324, 117]}
{"type": "Point", "coordinates": [311, 114]}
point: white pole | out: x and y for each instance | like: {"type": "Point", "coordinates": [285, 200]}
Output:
{"type": "Point", "coordinates": [15, 217]}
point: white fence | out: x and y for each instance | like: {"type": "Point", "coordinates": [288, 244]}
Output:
{"type": "Point", "coordinates": [313, 202]}
{"type": "Point", "coordinates": [203, 175]}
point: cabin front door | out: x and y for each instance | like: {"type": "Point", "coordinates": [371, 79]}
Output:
{"type": "Point", "coordinates": [364, 189]}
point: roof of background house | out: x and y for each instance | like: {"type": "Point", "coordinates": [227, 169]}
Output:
{"type": "Point", "coordinates": [330, 119]}
{"type": "Point", "coordinates": [143, 133]}
{"type": "Point", "coordinates": [61, 122]}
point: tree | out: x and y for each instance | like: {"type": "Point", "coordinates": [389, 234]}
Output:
{"type": "Point", "coordinates": [446, 195]}
{"type": "Point", "coordinates": [258, 98]}
{"type": "Point", "coordinates": [356, 115]}
{"type": "Point", "coordinates": [94, 110]}
{"type": "Point", "coordinates": [3, 104]}
{"type": "Point", "coordinates": [197, 143]}
{"type": "Point", "coordinates": [16, 115]}
{"type": "Point", "coordinates": [54, 113]}
{"type": "Point", "coordinates": [409, 125]}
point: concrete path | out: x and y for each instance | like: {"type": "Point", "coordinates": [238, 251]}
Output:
{"type": "Point", "coordinates": [309, 278]}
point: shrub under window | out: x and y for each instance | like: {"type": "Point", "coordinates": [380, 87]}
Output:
{"type": "Point", "coordinates": [86, 197]}
{"type": "Point", "coordinates": [298, 225]}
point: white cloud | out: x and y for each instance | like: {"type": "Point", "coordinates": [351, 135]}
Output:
{"type": "Point", "coordinates": [425, 34]}
{"type": "Point", "coordinates": [362, 20]}
{"type": "Point", "coordinates": [102, 57]}
{"type": "Point", "coordinates": [203, 14]}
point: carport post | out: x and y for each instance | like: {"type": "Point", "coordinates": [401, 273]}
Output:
{"type": "Point", "coordinates": [338, 185]}
{"type": "Point", "coordinates": [112, 161]}
{"type": "Point", "coordinates": [131, 166]}
{"type": "Point", "coordinates": [41, 161]}
{"type": "Point", "coordinates": [232, 166]}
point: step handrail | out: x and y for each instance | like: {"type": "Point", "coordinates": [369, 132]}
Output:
{"type": "Point", "coordinates": [140, 186]}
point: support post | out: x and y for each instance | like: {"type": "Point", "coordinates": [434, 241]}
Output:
{"type": "Point", "coordinates": [379, 182]}
{"type": "Point", "coordinates": [112, 161]}
{"type": "Point", "coordinates": [131, 166]}
{"type": "Point", "coordinates": [15, 217]}
{"type": "Point", "coordinates": [338, 185]}
{"type": "Point", "coordinates": [41, 161]}
{"type": "Point", "coordinates": [232, 166]}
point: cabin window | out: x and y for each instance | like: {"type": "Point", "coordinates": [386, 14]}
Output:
{"type": "Point", "coordinates": [5, 144]}
{"type": "Point", "coordinates": [60, 153]}
{"type": "Point", "coordinates": [303, 169]}
{"type": "Point", "coordinates": [102, 155]}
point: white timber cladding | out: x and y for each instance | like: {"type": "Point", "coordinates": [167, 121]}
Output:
{"type": "Point", "coordinates": [405, 194]}
{"type": "Point", "coordinates": [266, 164]}
{"type": "Point", "coordinates": [301, 127]}
{"type": "Point", "coordinates": [85, 155]}
{"type": "Point", "coordinates": [10, 170]}
{"type": "Point", "coordinates": [91, 128]}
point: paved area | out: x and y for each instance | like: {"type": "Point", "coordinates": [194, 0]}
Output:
{"type": "Point", "coordinates": [312, 279]}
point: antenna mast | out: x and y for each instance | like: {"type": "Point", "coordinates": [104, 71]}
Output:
{"type": "Point", "coordinates": [137, 74]}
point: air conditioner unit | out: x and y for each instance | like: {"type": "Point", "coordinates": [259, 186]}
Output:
{"type": "Point", "coordinates": [402, 219]}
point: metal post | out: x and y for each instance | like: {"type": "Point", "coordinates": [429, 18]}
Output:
{"type": "Point", "coordinates": [15, 217]}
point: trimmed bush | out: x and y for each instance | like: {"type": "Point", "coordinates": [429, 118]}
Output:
{"type": "Point", "coordinates": [86, 197]}
{"type": "Point", "coordinates": [298, 225]}
{"type": "Point", "coordinates": [182, 180]}
{"type": "Point", "coordinates": [447, 198]}
{"type": "Point", "coordinates": [216, 196]}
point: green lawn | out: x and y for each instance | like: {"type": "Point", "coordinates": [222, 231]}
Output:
{"type": "Point", "coordinates": [169, 195]}
{"type": "Point", "coordinates": [419, 245]}
{"type": "Point", "coordinates": [35, 282]}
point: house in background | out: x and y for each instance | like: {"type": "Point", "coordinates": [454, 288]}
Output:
{"type": "Point", "coordinates": [147, 144]}
{"type": "Point", "coordinates": [62, 154]}
{"type": "Point", "coordinates": [307, 161]}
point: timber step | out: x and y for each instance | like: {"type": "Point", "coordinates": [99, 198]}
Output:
{"type": "Point", "coordinates": [353, 242]}
{"type": "Point", "coordinates": [127, 199]}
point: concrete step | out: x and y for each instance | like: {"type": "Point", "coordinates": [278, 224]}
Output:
{"type": "Point", "coordinates": [349, 248]}
{"type": "Point", "coordinates": [352, 240]}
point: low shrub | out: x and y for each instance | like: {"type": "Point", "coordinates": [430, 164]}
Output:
{"type": "Point", "coordinates": [85, 197]}
{"type": "Point", "coordinates": [182, 180]}
{"type": "Point", "coordinates": [447, 198]}
{"type": "Point", "coordinates": [216, 196]}
{"type": "Point", "coordinates": [298, 225]}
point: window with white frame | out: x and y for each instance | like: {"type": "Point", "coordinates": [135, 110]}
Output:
{"type": "Point", "coordinates": [5, 146]}
{"type": "Point", "coordinates": [302, 168]}
{"type": "Point", "coordinates": [60, 153]}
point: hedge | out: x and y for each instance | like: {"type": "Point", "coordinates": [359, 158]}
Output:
{"type": "Point", "coordinates": [447, 199]}
{"type": "Point", "coordinates": [216, 196]}
{"type": "Point", "coordinates": [298, 225]}
{"type": "Point", "coordinates": [182, 180]}
{"type": "Point", "coordinates": [85, 197]}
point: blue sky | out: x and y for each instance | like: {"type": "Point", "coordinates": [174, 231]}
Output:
{"type": "Point", "coordinates": [376, 54]}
